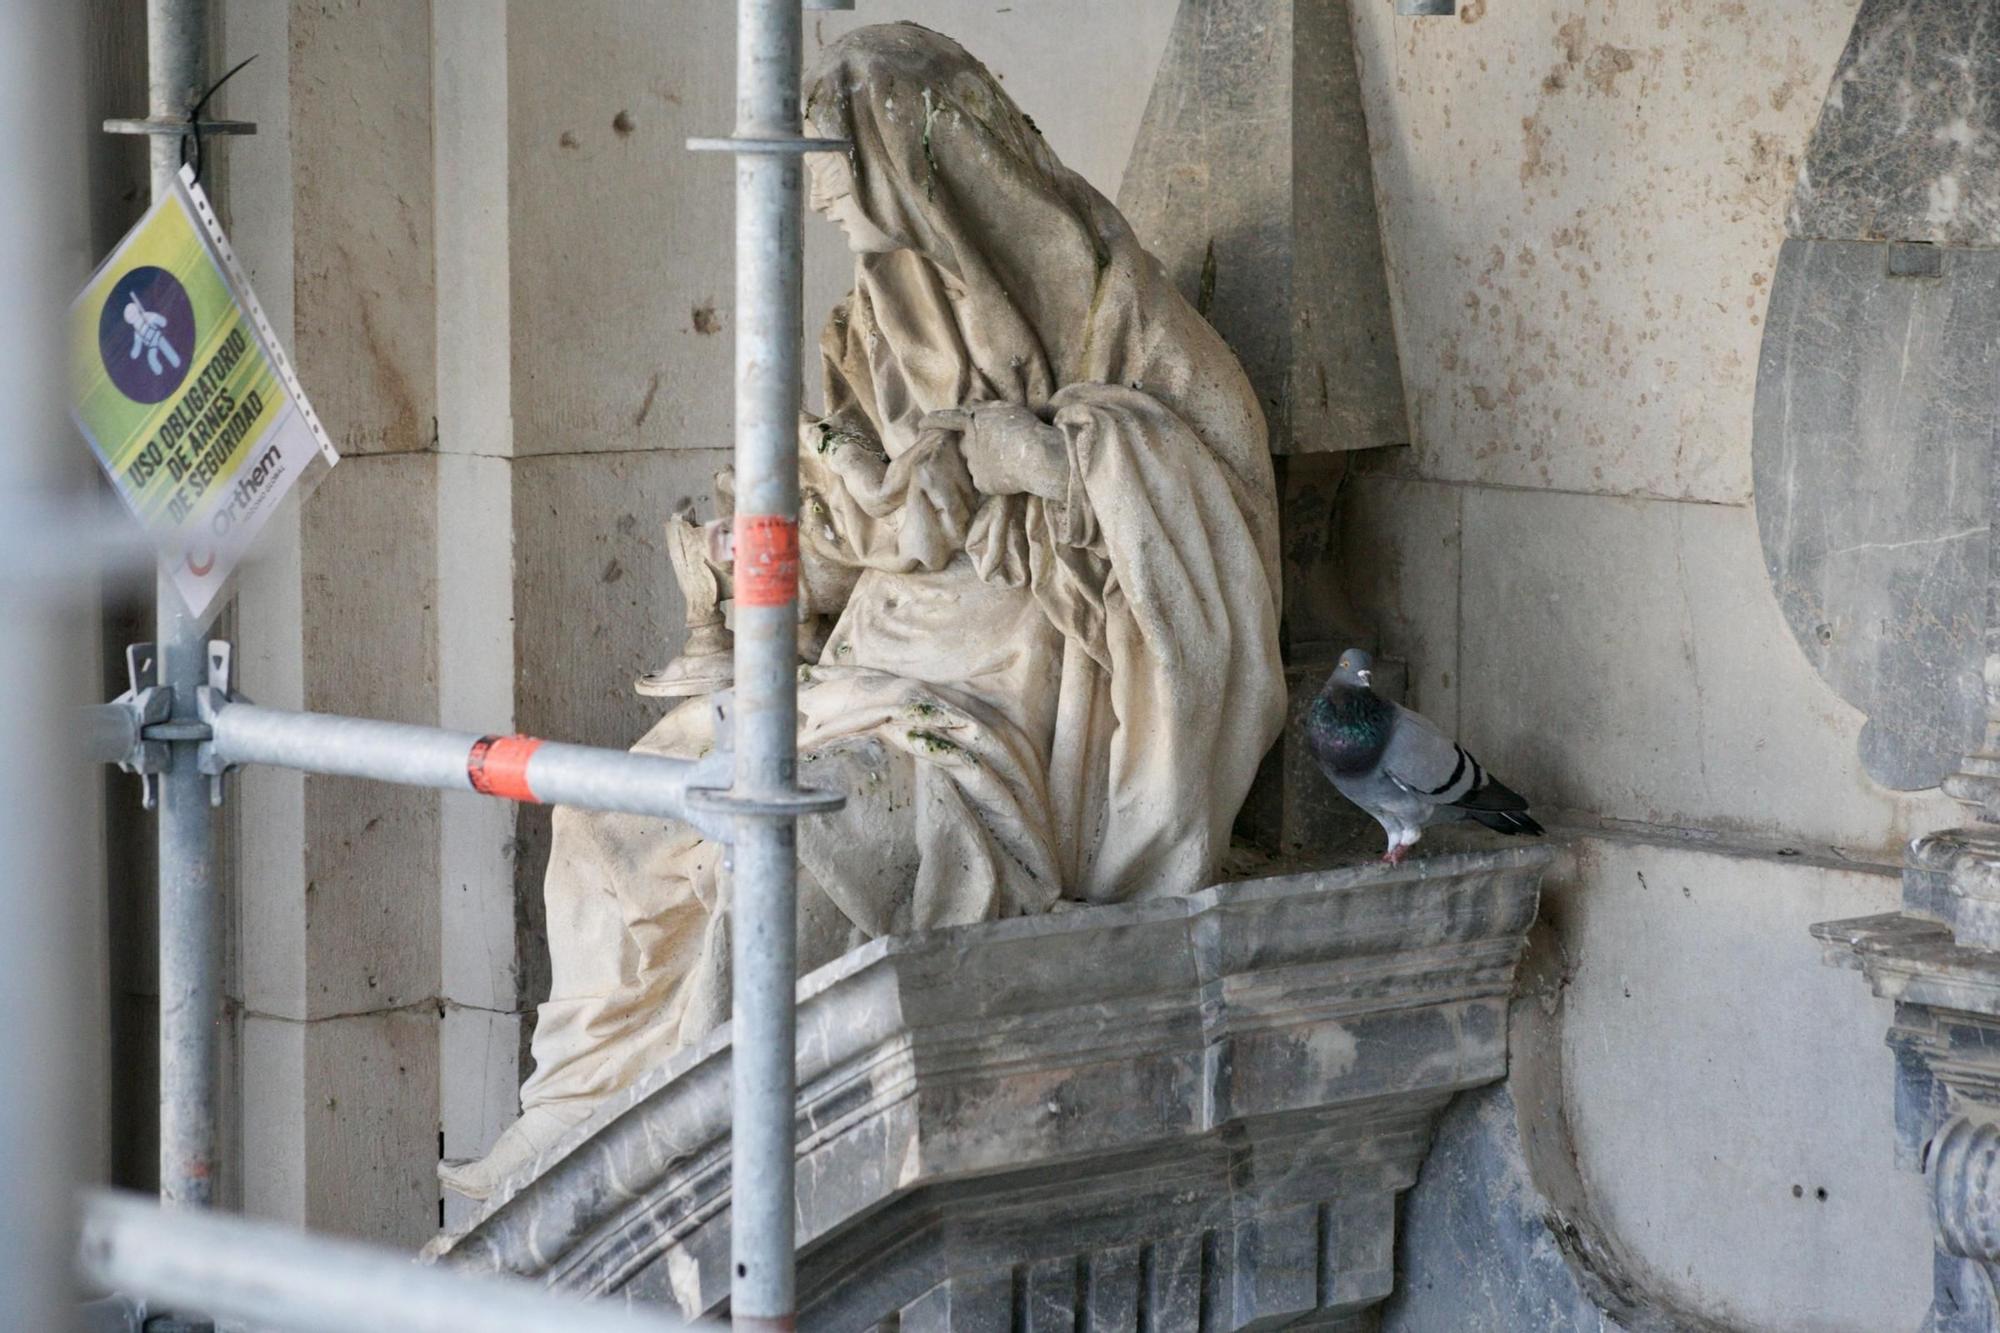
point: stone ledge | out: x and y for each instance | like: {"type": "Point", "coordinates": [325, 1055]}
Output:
{"type": "Point", "coordinates": [1914, 960]}
{"type": "Point", "coordinates": [1943, 949]}
{"type": "Point", "coordinates": [1162, 1093]}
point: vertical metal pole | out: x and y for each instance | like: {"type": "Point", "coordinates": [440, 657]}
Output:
{"type": "Point", "coordinates": [43, 886]}
{"type": "Point", "coordinates": [190, 904]}
{"type": "Point", "coordinates": [764, 948]}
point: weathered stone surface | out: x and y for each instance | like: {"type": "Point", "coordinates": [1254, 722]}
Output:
{"type": "Point", "coordinates": [370, 938]}
{"type": "Point", "coordinates": [1580, 205]}
{"type": "Point", "coordinates": [329, 1113]}
{"type": "Point", "coordinates": [1400, 550]}
{"type": "Point", "coordinates": [1878, 398]}
{"type": "Point", "coordinates": [1634, 1172]}
{"type": "Point", "coordinates": [1212, 1101]}
{"type": "Point", "coordinates": [363, 203]}
{"type": "Point", "coordinates": [479, 1078]}
{"type": "Point", "coordinates": [1251, 182]}
{"type": "Point", "coordinates": [1628, 657]}
{"type": "Point", "coordinates": [594, 588]}
{"type": "Point", "coordinates": [1879, 385]}
{"type": "Point", "coordinates": [335, 205]}
{"type": "Point", "coordinates": [1476, 1248]}
{"type": "Point", "coordinates": [1683, 1093]}
{"type": "Point", "coordinates": [1940, 951]}
{"type": "Point", "coordinates": [1908, 145]}
{"type": "Point", "coordinates": [622, 300]}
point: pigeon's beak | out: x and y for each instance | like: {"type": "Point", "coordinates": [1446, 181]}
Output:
{"type": "Point", "coordinates": [1365, 677]}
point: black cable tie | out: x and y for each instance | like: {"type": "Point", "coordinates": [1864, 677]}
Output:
{"type": "Point", "coordinates": [194, 116]}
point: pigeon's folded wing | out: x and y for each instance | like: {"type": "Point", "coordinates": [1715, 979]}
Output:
{"type": "Point", "coordinates": [1427, 763]}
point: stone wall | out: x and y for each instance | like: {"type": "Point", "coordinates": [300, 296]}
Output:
{"type": "Point", "coordinates": [1582, 208]}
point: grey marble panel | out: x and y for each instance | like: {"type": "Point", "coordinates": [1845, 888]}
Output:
{"type": "Point", "coordinates": [1878, 397]}
{"type": "Point", "coordinates": [1252, 183]}
{"type": "Point", "coordinates": [1908, 146]}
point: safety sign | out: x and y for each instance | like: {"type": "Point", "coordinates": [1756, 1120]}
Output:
{"type": "Point", "coordinates": [183, 392]}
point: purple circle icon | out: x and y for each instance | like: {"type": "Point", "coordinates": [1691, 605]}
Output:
{"type": "Point", "coordinates": [145, 334]}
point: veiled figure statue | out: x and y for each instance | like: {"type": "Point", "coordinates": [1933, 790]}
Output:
{"type": "Point", "coordinates": [1039, 509]}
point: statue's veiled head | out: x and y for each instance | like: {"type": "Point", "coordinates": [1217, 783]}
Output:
{"type": "Point", "coordinates": [939, 149]}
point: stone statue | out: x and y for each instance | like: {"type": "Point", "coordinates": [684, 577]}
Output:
{"type": "Point", "coordinates": [1039, 509]}
{"type": "Point", "coordinates": [704, 664]}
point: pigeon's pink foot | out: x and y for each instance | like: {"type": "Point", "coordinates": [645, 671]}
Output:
{"type": "Point", "coordinates": [1394, 856]}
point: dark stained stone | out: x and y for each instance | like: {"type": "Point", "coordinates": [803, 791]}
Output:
{"type": "Point", "coordinates": [1878, 398]}
{"type": "Point", "coordinates": [1908, 145]}
{"type": "Point", "coordinates": [1251, 181]}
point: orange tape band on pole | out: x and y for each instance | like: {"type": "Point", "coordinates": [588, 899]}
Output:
{"type": "Point", "coordinates": [498, 766]}
{"type": "Point", "coordinates": [767, 560]}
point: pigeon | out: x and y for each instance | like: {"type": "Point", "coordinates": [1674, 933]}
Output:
{"type": "Point", "coordinates": [1400, 768]}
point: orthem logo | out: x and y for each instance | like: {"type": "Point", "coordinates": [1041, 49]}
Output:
{"type": "Point", "coordinates": [146, 334]}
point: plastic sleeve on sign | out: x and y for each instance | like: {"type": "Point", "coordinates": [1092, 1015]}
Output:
{"type": "Point", "coordinates": [767, 560]}
{"type": "Point", "coordinates": [498, 766]}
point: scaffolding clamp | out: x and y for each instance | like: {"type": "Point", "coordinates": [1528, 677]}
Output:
{"type": "Point", "coordinates": [143, 707]}
{"type": "Point", "coordinates": [780, 144]}
{"type": "Point", "coordinates": [730, 805]}
{"type": "Point", "coordinates": [177, 127]}
{"type": "Point", "coordinates": [209, 700]}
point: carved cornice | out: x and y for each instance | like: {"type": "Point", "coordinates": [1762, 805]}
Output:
{"type": "Point", "coordinates": [1977, 784]}
{"type": "Point", "coordinates": [1254, 1050]}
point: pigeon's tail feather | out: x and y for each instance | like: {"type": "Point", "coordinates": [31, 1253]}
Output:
{"type": "Point", "coordinates": [1514, 822]}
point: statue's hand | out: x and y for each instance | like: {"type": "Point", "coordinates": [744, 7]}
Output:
{"type": "Point", "coordinates": [857, 461]}
{"type": "Point", "coordinates": [938, 477]}
{"type": "Point", "coordinates": [1008, 449]}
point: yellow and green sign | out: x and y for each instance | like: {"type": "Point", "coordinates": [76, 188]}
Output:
{"type": "Point", "coordinates": [185, 396]}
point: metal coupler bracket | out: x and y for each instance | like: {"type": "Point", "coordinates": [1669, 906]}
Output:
{"type": "Point", "coordinates": [724, 802]}
{"type": "Point", "coordinates": [143, 705]}
{"type": "Point", "coordinates": [209, 700]}
{"type": "Point", "coordinates": [138, 730]}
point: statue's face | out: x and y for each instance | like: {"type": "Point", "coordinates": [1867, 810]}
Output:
{"type": "Point", "coordinates": [833, 198]}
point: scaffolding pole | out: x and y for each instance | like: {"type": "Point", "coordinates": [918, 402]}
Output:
{"type": "Point", "coordinates": [44, 577]}
{"type": "Point", "coordinates": [190, 905]}
{"type": "Point", "coordinates": [277, 1279]}
{"type": "Point", "coordinates": [518, 768]}
{"type": "Point", "coordinates": [764, 965]}
{"type": "Point", "coordinates": [193, 729]}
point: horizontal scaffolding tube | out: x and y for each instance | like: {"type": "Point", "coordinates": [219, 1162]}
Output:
{"type": "Point", "coordinates": [110, 732]}
{"type": "Point", "coordinates": [518, 768]}
{"type": "Point", "coordinates": [275, 1278]}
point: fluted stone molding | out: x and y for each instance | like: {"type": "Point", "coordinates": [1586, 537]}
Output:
{"type": "Point", "coordinates": [1965, 1188]}
{"type": "Point", "coordinates": [1965, 1194]}
{"type": "Point", "coordinates": [1175, 1114]}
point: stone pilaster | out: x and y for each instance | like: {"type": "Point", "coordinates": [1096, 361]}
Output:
{"type": "Point", "coordinates": [1939, 960]}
